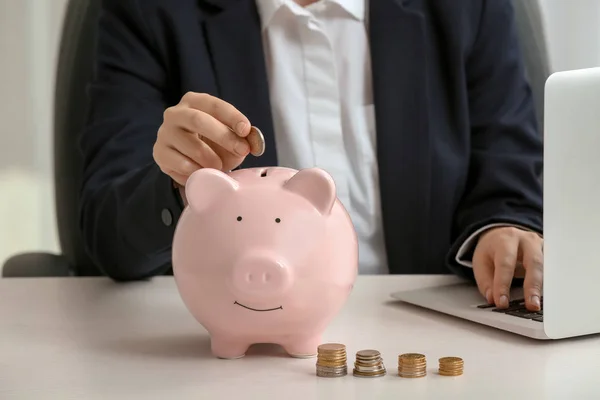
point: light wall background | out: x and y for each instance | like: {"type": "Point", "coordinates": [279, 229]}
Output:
{"type": "Point", "coordinates": [29, 37]}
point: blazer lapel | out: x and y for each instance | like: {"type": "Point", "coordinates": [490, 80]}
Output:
{"type": "Point", "coordinates": [398, 51]}
{"type": "Point", "coordinates": [235, 42]}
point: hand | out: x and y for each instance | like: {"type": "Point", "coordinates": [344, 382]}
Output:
{"type": "Point", "coordinates": [497, 255]}
{"type": "Point", "coordinates": [201, 131]}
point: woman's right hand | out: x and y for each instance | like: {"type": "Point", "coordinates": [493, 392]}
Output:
{"type": "Point", "coordinates": [202, 131]}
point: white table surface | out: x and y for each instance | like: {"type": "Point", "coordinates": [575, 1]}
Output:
{"type": "Point", "coordinates": [90, 338]}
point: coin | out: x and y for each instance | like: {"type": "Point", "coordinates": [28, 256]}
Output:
{"type": "Point", "coordinates": [368, 354]}
{"type": "Point", "coordinates": [369, 364]}
{"type": "Point", "coordinates": [257, 141]}
{"type": "Point", "coordinates": [327, 363]}
{"type": "Point", "coordinates": [332, 356]}
{"type": "Point", "coordinates": [412, 365]}
{"type": "Point", "coordinates": [331, 360]}
{"type": "Point", "coordinates": [411, 357]}
{"type": "Point", "coordinates": [331, 348]}
{"type": "Point", "coordinates": [451, 366]}
{"type": "Point", "coordinates": [337, 372]}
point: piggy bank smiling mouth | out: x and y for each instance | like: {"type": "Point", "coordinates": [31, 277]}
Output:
{"type": "Point", "coordinates": [256, 309]}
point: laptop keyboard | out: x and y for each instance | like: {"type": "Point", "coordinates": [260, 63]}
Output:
{"type": "Point", "coordinates": [517, 308]}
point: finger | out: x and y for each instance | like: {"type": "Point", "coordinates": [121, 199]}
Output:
{"type": "Point", "coordinates": [219, 109]}
{"type": "Point", "coordinates": [505, 260]}
{"type": "Point", "coordinates": [199, 122]}
{"type": "Point", "coordinates": [519, 269]}
{"type": "Point", "coordinates": [191, 146]}
{"type": "Point", "coordinates": [230, 161]}
{"type": "Point", "coordinates": [534, 272]}
{"type": "Point", "coordinates": [175, 164]}
{"type": "Point", "coordinates": [483, 269]}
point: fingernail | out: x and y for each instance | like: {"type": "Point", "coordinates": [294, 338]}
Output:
{"type": "Point", "coordinates": [240, 128]}
{"type": "Point", "coordinates": [535, 300]}
{"type": "Point", "coordinates": [503, 301]}
{"type": "Point", "coordinates": [489, 297]}
{"type": "Point", "coordinates": [241, 148]}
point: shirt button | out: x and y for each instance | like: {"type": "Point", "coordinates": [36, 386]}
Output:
{"type": "Point", "coordinates": [167, 217]}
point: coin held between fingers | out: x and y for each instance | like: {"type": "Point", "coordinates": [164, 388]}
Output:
{"type": "Point", "coordinates": [257, 142]}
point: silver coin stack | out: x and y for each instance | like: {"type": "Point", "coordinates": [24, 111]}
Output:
{"type": "Point", "coordinates": [369, 364]}
{"type": "Point", "coordinates": [332, 372]}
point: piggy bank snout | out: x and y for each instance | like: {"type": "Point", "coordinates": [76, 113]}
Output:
{"type": "Point", "coordinates": [260, 276]}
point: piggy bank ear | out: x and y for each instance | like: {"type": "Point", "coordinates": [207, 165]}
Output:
{"type": "Point", "coordinates": [316, 186]}
{"type": "Point", "coordinates": [206, 186]}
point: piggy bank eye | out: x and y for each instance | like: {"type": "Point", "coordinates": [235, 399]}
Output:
{"type": "Point", "coordinates": [277, 220]}
{"type": "Point", "coordinates": [239, 218]}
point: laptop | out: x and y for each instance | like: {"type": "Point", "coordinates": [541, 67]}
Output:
{"type": "Point", "coordinates": [571, 286]}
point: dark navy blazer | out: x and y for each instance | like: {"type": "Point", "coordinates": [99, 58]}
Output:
{"type": "Point", "coordinates": [458, 146]}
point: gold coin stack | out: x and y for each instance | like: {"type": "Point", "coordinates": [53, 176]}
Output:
{"type": "Point", "coordinates": [331, 360]}
{"type": "Point", "coordinates": [412, 365]}
{"type": "Point", "coordinates": [369, 364]}
{"type": "Point", "coordinates": [451, 366]}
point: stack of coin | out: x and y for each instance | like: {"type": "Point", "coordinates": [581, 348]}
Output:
{"type": "Point", "coordinates": [331, 360]}
{"type": "Point", "coordinates": [412, 365]}
{"type": "Point", "coordinates": [369, 364]}
{"type": "Point", "coordinates": [451, 366]}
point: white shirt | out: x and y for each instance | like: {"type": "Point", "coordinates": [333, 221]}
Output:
{"type": "Point", "coordinates": [319, 72]}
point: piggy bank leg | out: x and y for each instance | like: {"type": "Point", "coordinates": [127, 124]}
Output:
{"type": "Point", "coordinates": [303, 347]}
{"type": "Point", "coordinates": [228, 348]}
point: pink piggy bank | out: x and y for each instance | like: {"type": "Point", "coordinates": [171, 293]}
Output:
{"type": "Point", "coordinates": [264, 255]}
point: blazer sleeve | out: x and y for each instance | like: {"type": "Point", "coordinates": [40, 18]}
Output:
{"type": "Point", "coordinates": [504, 179]}
{"type": "Point", "coordinates": [129, 207]}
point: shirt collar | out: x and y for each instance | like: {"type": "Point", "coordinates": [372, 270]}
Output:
{"type": "Point", "coordinates": [355, 7]}
{"type": "Point", "coordinates": [268, 8]}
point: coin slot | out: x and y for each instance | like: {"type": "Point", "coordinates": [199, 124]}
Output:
{"type": "Point", "coordinates": [263, 173]}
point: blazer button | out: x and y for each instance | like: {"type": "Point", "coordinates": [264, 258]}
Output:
{"type": "Point", "coordinates": [167, 217]}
